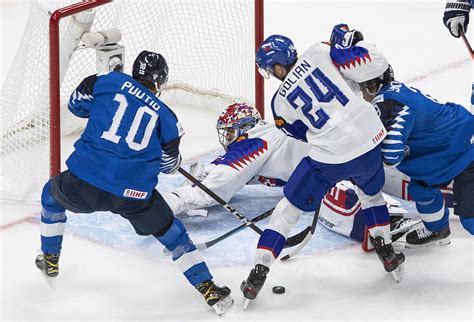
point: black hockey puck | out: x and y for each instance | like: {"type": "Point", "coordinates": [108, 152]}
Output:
{"type": "Point", "coordinates": [278, 289]}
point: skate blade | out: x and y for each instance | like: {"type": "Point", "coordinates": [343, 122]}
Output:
{"type": "Point", "coordinates": [51, 281]}
{"type": "Point", "coordinates": [398, 273]}
{"type": "Point", "coordinates": [245, 304]}
{"type": "Point", "coordinates": [223, 305]}
{"type": "Point", "coordinates": [442, 242]}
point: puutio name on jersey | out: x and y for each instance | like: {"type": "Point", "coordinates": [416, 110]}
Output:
{"type": "Point", "coordinates": [138, 93]}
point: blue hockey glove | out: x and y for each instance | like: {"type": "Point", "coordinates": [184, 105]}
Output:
{"type": "Point", "coordinates": [342, 37]}
{"type": "Point", "coordinates": [456, 16]}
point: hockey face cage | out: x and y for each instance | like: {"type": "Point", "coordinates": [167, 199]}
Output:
{"type": "Point", "coordinates": [373, 86]}
{"type": "Point", "coordinates": [235, 121]}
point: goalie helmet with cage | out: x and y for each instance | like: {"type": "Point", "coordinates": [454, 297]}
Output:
{"type": "Point", "coordinates": [235, 121]}
{"type": "Point", "coordinates": [151, 69]}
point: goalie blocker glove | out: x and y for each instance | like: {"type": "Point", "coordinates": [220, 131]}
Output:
{"type": "Point", "coordinates": [456, 16]}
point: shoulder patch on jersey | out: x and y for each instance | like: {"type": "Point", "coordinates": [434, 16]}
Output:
{"type": "Point", "coordinates": [280, 122]}
{"type": "Point", "coordinates": [239, 154]}
{"type": "Point", "coordinates": [242, 137]}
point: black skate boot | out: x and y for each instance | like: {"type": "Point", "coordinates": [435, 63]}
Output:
{"type": "Point", "coordinates": [423, 237]}
{"type": "Point", "coordinates": [217, 297]}
{"type": "Point", "coordinates": [254, 283]}
{"type": "Point", "coordinates": [400, 226]}
{"type": "Point", "coordinates": [48, 263]}
{"type": "Point", "coordinates": [392, 262]}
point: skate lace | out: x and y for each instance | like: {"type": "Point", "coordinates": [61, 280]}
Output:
{"type": "Point", "coordinates": [403, 222]}
{"type": "Point", "coordinates": [423, 233]}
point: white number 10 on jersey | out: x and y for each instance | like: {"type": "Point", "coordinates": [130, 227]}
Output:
{"type": "Point", "coordinates": [111, 134]}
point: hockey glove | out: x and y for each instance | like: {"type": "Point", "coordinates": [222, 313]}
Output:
{"type": "Point", "coordinates": [456, 16]}
{"type": "Point", "coordinates": [343, 38]}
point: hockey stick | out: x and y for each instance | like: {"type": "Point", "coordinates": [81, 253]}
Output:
{"type": "Point", "coordinates": [299, 239]}
{"type": "Point", "coordinates": [221, 201]}
{"type": "Point", "coordinates": [466, 42]}
{"type": "Point", "coordinates": [233, 231]}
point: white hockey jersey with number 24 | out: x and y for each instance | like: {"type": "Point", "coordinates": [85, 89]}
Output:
{"type": "Point", "coordinates": [315, 104]}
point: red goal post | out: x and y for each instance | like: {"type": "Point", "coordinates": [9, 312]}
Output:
{"type": "Point", "coordinates": [210, 47]}
{"type": "Point", "coordinates": [55, 137]}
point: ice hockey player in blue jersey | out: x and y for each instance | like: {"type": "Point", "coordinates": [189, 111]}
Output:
{"type": "Point", "coordinates": [315, 104]}
{"type": "Point", "coordinates": [131, 136]}
{"type": "Point", "coordinates": [432, 143]}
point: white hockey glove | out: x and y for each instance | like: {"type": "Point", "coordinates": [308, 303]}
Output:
{"type": "Point", "coordinates": [199, 171]}
{"type": "Point", "coordinates": [456, 16]}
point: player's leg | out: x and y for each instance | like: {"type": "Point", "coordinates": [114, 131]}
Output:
{"type": "Point", "coordinates": [431, 206]}
{"type": "Point", "coordinates": [369, 178]}
{"type": "Point", "coordinates": [60, 193]}
{"type": "Point", "coordinates": [53, 222]}
{"type": "Point", "coordinates": [155, 217]}
{"type": "Point", "coordinates": [303, 193]}
{"type": "Point", "coordinates": [463, 190]}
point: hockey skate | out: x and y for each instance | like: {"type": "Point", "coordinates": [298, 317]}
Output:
{"type": "Point", "coordinates": [254, 283]}
{"type": "Point", "coordinates": [400, 226]}
{"type": "Point", "coordinates": [423, 237]}
{"type": "Point", "coordinates": [48, 264]}
{"type": "Point", "coordinates": [392, 262]}
{"type": "Point", "coordinates": [217, 297]}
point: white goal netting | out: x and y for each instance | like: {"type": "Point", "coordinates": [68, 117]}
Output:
{"type": "Point", "coordinates": [209, 46]}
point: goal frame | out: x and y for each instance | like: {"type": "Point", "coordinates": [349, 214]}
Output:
{"type": "Point", "coordinates": [54, 66]}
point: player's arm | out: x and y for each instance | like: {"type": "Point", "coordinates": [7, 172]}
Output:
{"type": "Point", "coordinates": [398, 120]}
{"type": "Point", "coordinates": [231, 172]}
{"type": "Point", "coordinates": [169, 133]}
{"type": "Point", "coordinates": [81, 99]}
{"type": "Point", "coordinates": [355, 58]}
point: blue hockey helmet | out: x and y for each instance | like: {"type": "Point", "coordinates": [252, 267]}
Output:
{"type": "Point", "coordinates": [276, 49]}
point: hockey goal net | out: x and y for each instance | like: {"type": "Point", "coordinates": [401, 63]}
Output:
{"type": "Point", "coordinates": [209, 46]}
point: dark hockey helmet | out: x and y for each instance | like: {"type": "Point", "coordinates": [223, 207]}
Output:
{"type": "Point", "coordinates": [151, 69]}
{"type": "Point", "coordinates": [236, 120]}
{"type": "Point", "coordinates": [374, 85]}
{"type": "Point", "coordinates": [276, 49]}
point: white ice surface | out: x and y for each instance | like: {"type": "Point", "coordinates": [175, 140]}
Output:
{"type": "Point", "coordinates": [109, 273]}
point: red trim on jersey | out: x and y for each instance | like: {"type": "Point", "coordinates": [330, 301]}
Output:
{"type": "Point", "coordinates": [269, 249]}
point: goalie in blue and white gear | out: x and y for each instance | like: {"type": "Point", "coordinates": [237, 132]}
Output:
{"type": "Point", "coordinates": [430, 142]}
{"type": "Point", "coordinates": [131, 136]}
